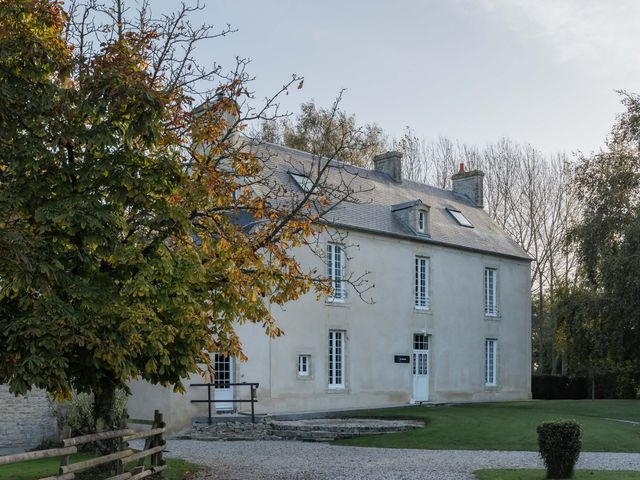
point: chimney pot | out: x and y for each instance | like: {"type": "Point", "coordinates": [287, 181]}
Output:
{"type": "Point", "coordinates": [461, 169]}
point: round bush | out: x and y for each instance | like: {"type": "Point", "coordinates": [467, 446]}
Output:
{"type": "Point", "coordinates": [559, 444]}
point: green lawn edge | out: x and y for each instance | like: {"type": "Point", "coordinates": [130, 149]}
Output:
{"type": "Point", "coordinates": [539, 474]}
{"type": "Point", "coordinates": [177, 469]}
{"type": "Point", "coordinates": [508, 426]}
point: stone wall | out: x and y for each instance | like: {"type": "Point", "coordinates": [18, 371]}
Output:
{"type": "Point", "coordinates": [26, 420]}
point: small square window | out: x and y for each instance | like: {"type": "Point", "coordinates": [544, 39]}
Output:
{"type": "Point", "coordinates": [304, 365]}
{"type": "Point", "coordinates": [304, 182]}
{"type": "Point", "coordinates": [460, 218]}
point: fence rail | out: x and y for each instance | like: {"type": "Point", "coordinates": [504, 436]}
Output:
{"type": "Point", "coordinates": [153, 447]}
{"type": "Point", "coordinates": [253, 400]}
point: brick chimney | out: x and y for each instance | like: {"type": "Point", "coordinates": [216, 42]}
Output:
{"type": "Point", "coordinates": [469, 184]}
{"type": "Point", "coordinates": [389, 163]}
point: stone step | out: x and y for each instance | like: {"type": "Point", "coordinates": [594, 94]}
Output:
{"type": "Point", "coordinates": [319, 430]}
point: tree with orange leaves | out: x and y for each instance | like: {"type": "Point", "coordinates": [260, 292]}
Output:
{"type": "Point", "coordinates": [136, 230]}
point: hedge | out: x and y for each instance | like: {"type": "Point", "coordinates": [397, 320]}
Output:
{"type": "Point", "coordinates": [562, 387]}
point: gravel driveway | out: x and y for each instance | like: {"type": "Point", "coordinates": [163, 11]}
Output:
{"type": "Point", "coordinates": [285, 460]}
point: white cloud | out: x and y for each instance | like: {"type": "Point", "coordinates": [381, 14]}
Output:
{"type": "Point", "coordinates": [602, 35]}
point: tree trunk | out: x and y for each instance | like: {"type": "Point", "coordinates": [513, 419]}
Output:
{"type": "Point", "coordinates": [103, 414]}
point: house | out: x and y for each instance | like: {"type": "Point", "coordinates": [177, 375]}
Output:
{"type": "Point", "coordinates": [450, 319]}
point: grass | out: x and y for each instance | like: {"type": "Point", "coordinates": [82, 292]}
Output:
{"type": "Point", "coordinates": [509, 426]}
{"type": "Point", "coordinates": [176, 469]}
{"type": "Point", "coordinates": [521, 474]}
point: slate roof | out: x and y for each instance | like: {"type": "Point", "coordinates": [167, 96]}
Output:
{"type": "Point", "coordinates": [379, 193]}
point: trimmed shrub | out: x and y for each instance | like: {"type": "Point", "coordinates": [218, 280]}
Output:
{"type": "Point", "coordinates": [559, 444]}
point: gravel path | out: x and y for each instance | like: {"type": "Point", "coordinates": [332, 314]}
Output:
{"type": "Point", "coordinates": [284, 460]}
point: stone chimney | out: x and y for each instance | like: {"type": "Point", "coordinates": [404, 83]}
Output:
{"type": "Point", "coordinates": [389, 163]}
{"type": "Point", "coordinates": [469, 184]}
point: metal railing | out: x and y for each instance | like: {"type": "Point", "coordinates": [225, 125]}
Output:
{"type": "Point", "coordinates": [210, 401]}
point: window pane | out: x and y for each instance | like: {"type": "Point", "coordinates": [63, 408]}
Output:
{"type": "Point", "coordinates": [490, 362]}
{"type": "Point", "coordinates": [460, 218]}
{"type": "Point", "coordinates": [304, 182]}
{"type": "Point", "coordinates": [336, 358]}
{"type": "Point", "coordinates": [421, 282]}
{"type": "Point", "coordinates": [335, 270]}
{"type": "Point", "coordinates": [490, 292]}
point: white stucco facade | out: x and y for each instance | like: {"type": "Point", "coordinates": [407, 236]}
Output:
{"type": "Point", "coordinates": [374, 333]}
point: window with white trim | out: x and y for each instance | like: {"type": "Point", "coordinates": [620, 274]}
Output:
{"type": "Point", "coordinates": [491, 292]}
{"type": "Point", "coordinates": [304, 365]}
{"type": "Point", "coordinates": [335, 272]}
{"type": "Point", "coordinates": [490, 362]}
{"type": "Point", "coordinates": [422, 221]}
{"type": "Point", "coordinates": [421, 283]}
{"type": "Point", "coordinates": [336, 358]}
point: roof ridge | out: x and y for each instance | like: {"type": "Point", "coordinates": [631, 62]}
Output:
{"type": "Point", "coordinates": [350, 165]}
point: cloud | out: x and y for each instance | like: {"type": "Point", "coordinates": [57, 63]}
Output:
{"type": "Point", "coordinates": [601, 35]}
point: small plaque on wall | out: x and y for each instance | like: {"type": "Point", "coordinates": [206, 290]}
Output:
{"type": "Point", "coordinates": [401, 359]}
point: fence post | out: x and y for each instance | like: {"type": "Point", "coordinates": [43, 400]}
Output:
{"type": "Point", "coordinates": [209, 400]}
{"type": "Point", "coordinates": [159, 461]}
{"type": "Point", "coordinates": [122, 445]}
{"type": "Point", "coordinates": [253, 402]}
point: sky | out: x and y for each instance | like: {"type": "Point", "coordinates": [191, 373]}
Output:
{"type": "Point", "coordinates": [542, 72]}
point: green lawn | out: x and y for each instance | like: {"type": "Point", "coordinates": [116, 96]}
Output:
{"type": "Point", "coordinates": [176, 469]}
{"type": "Point", "coordinates": [510, 426]}
{"type": "Point", "coordinates": [513, 474]}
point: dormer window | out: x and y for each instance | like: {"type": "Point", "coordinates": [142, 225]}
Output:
{"type": "Point", "coordinates": [460, 218]}
{"type": "Point", "coordinates": [414, 215]}
{"type": "Point", "coordinates": [304, 182]}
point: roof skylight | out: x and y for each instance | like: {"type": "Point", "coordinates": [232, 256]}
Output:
{"type": "Point", "coordinates": [304, 182]}
{"type": "Point", "coordinates": [460, 218]}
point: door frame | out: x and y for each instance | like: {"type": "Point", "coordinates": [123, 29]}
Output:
{"type": "Point", "coordinates": [416, 352]}
{"type": "Point", "coordinates": [225, 393]}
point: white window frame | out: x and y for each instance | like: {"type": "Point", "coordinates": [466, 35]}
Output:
{"type": "Point", "coordinates": [336, 260]}
{"type": "Point", "coordinates": [421, 300]}
{"type": "Point", "coordinates": [422, 221]}
{"type": "Point", "coordinates": [491, 292]}
{"type": "Point", "coordinates": [491, 362]}
{"type": "Point", "coordinates": [304, 365]}
{"type": "Point", "coordinates": [336, 357]}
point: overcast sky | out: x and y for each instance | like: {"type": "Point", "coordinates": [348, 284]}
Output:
{"type": "Point", "coordinates": [543, 72]}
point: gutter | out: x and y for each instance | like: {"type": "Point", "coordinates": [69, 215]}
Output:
{"type": "Point", "coordinates": [430, 241]}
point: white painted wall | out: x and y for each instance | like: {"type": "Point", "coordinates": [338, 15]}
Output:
{"type": "Point", "coordinates": [376, 332]}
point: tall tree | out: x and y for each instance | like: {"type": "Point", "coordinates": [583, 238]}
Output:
{"type": "Point", "coordinates": [308, 132]}
{"type": "Point", "coordinates": [607, 240]}
{"type": "Point", "coordinates": [123, 211]}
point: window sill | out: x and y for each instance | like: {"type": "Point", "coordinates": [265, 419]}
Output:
{"type": "Point", "coordinates": [422, 311]}
{"type": "Point", "coordinates": [491, 388]}
{"type": "Point", "coordinates": [337, 303]}
{"type": "Point", "coordinates": [337, 390]}
{"type": "Point", "coordinates": [492, 318]}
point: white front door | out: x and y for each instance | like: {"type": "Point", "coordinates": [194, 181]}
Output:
{"type": "Point", "coordinates": [223, 367]}
{"type": "Point", "coordinates": [420, 368]}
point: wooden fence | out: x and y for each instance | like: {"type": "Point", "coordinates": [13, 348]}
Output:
{"type": "Point", "coordinates": [153, 447]}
